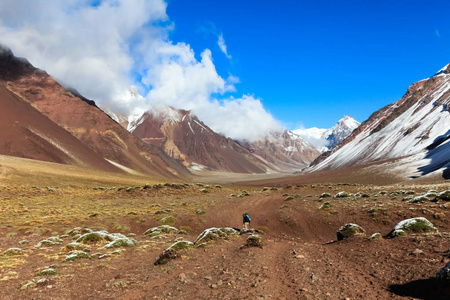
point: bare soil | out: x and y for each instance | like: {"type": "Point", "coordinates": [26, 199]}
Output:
{"type": "Point", "coordinates": [300, 257]}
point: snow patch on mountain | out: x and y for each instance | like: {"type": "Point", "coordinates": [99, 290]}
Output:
{"type": "Point", "coordinates": [325, 139]}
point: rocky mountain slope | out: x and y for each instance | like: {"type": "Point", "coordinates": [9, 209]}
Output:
{"type": "Point", "coordinates": [112, 144]}
{"type": "Point", "coordinates": [286, 149]}
{"type": "Point", "coordinates": [416, 128]}
{"type": "Point", "coordinates": [325, 139]}
{"type": "Point", "coordinates": [184, 137]}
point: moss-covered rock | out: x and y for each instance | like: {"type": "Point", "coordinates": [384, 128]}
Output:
{"type": "Point", "coordinates": [93, 237]}
{"type": "Point", "coordinates": [78, 230]}
{"type": "Point", "coordinates": [342, 195]}
{"type": "Point", "coordinates": [254, 240]}
{"type": "Point", "coordinates": [375, 236]}
{"type": "Point", "coordinates": [27, 284]}
{"type": "Point", "coordinates": [51, 241]}
{"type": "Point", "coordinates": [122, 242]}
{"type": "Point", "coordinates": [215, 234]}
{"type": "Point", "coordinates": [349, 230]}
{"type": "Point", "coordinates": [289, 198]}
{"type": "Point", "coordinates": [205, 191]}
{"type": "Point", "coordinates": [419, 224]}
{"type": "Point", "coordinates": [419, 199]}
{"type": "Point", "coordinates": [444, 196]}
{"type": "Point", "coordinates": [325, 205]}
{"type": "Point", "coordinates": [325, 195]}
{"type": "Point", "coordinates": [162, 229]}
{"type": "Point", "coordinates": [200, 211]}
{"type": "Point", "coordinates": [181, 245]}
{"type": "Point", "coordinates": [77, 255]}
{"type": "Point", "coordinates": [49, 271]}
{"type": "Point", "coordinates": [13, 251]}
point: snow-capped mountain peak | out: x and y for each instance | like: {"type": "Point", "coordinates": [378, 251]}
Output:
{"type": "Point", "coordinates": [324, 139]}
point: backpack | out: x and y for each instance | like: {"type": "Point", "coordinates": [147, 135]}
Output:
{"type": "Point", "coordinates": [246, 217]}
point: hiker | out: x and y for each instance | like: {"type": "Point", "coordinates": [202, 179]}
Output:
{"type": "Point", "coordinates": [246, 221]}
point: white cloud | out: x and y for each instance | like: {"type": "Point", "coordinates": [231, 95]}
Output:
{"type": "Point", "coordinates": [223, 46]}
{"type": "Point", "coordinates": [111, 50]}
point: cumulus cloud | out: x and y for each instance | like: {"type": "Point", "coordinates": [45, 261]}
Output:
{"type": "Point", "coordinates": [119, 53]}
{"type": "Point", "coordinates": [223, 46]}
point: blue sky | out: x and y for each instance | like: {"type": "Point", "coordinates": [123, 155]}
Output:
{"type": "Point", "coordinates": [311, 62]}
{"type": "Point", "coordinates": [246, 68]}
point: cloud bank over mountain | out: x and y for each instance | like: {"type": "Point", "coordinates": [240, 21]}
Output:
{"type": "Point", "coordinates": [120, 54]}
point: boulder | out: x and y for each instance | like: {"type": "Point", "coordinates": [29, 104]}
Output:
{"type": "Point", "coordinates": [215, 233]}
{"type": "Point", "coordinates": [419, 224]}
{"type": "Point", "coordinates": [342, 195]}
{"type": "Point", "coordinates": [181, 245]}
{"type": "Point", "coordinates": [122, 242]}
{"type": "Point", "coordinates": [77, 255]}
{"type": "Point", "coordinates": [166, 256]}
{"type": "Point", "coordinates": [349, 230]}
{"type": "Point", "coordinates": [443, 196]}
{"type": "Point", "coordinates": [162, 229]}
{"type": "Point", "coordinates": [325, 205]}
{"type": "Point", "coordinates": [254, 240]}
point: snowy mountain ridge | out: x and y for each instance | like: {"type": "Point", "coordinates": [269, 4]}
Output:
{"type": "Point", "coordinates": [416, 128]}
{"type": "Point", "coordinates": [325, 139]}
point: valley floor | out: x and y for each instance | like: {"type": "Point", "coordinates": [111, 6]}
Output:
{"type": "Point", "coordinates": [300, 257]}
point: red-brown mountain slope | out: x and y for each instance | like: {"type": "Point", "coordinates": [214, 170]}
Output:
{"type": "Point", "coordinates": [25, 132]}
{"type": "Point", "coordinates": [184, 137]}
{"type": "Point", "coordinates": [83, 120]}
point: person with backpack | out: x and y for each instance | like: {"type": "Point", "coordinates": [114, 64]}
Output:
{"type": "Point", "coordinates": [246, 221]}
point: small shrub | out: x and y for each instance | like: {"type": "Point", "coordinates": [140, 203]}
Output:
{"type": "Point", "coordinates": [349, 230]}
{"type": "Point", "coordinates": [325, 205]}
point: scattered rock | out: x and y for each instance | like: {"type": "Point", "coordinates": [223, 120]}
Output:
{"type": "Point", "coordinates": [342, 195]}
{"type": "Point", "coordinates": [181, 245]}
{"type": "Point", "coordinates": [77, 255]}
{"type": "Point", "coordinates": [419, 224]}
{"type": "Point", "coordinates": [13, 251]}
{"type": "Point", "coordinates": [214, 234]}
{"type": "Point", "coordinates": [419, 199]}
{"type": "Point", "coordinates": [443, 196]}
{"type": "Point", "coordinates": [349, 230]}
{"type": "Point", "coordinates": [49, 271]}
{"type": "Point", "coordinates": [325, 195]}
{"type": "Point", "coordinates": [51, 241]}
{"type": "Point", "coordinates": [27, 284]}
{"type": "Point", "coordinates": [375, 236]}
{"type": "Point", "coordinates": [325, 205]}
{"type": "Point", "coordinates": [162, 229]}
{"type": "Point", "coordinates": [122, 242]}
{"type": "Point", "coordinates": [254, 240]}
{"type": "Point", "coordinates": [166, 256]}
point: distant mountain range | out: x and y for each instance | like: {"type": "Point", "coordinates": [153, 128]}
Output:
{"type": "Point", "coordinates": [184, 137]}
{"type": "Point", "coordinates": [42, 120]}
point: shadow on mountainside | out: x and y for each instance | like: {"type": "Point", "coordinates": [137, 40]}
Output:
{"type": "Point", "coordinates": [427, 289]}
{"type": "Point", "coordinates": [438, 154]}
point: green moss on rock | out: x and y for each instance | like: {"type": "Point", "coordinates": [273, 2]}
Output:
{"type": "Point", "coordinates": [444, 196]}
{"type": "Point", "coordinates": [77, 255]}
{"type": "Point", "coordinates": [122, 242]}
{"type": "Point", "coordinates": [419, 224]}
{"type": "Point", "coordinates": [162, 229]}
{"type": "Point", "coordinates": [342, 195]}
{"type": "Point", "coordinates": [49, 271]}
{"type": "Point", "coordinates": [215, 234]}
{"type": "Point", "coordinates": [325, 205]}
{"type": "Point", "coordinates": [181, 245]}
{"type": "Point", "coordinates": [13, 251]}
{"type": "Point", "coordinates": [349, 230]}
